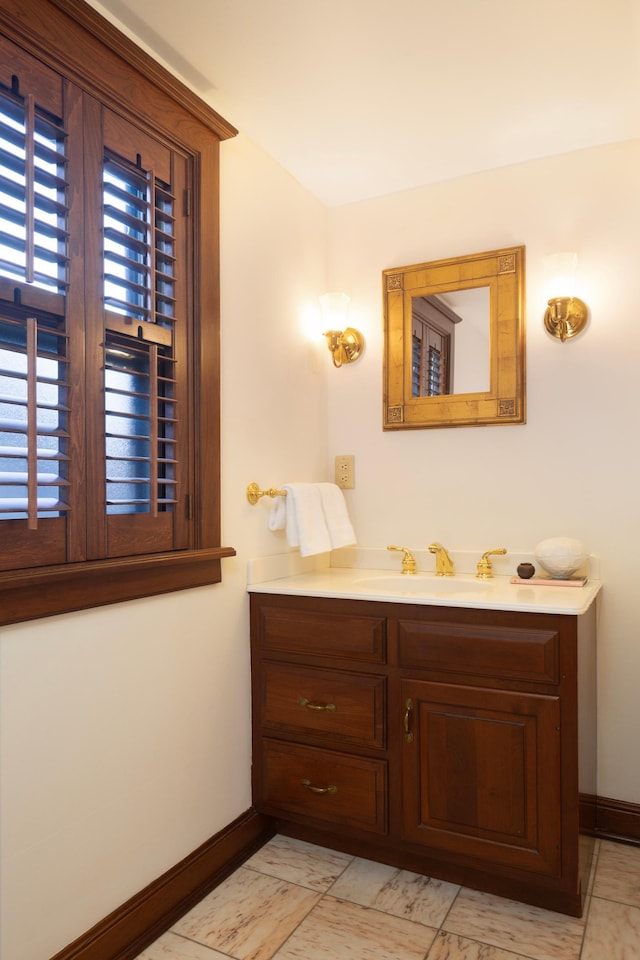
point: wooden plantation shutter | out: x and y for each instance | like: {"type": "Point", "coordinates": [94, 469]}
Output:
{"type": "Point", "coordinates": [34, 348]}
{"type": "Point", "coordinates": [143, 331]}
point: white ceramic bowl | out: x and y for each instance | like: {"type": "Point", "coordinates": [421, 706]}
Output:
{"type": "Point", "coordinates": [561, 557]}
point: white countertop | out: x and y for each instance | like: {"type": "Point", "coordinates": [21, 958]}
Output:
{"type": "Point", "coordinates": [462, 590]}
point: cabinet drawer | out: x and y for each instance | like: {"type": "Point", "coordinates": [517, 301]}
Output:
{"type": "Point", "coordinates": [339, 636]}
{"type": "Point", "coordinates": [323, 785]}
{"type": "Point", "coordinates": [510, 653]}
{"type": "Point", "coordinates": [301, 700]}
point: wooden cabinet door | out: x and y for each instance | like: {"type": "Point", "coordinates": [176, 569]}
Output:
{"type": "Point", "coordinates": [481, 774]}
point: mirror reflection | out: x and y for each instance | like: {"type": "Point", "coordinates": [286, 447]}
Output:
{"type": "Point", "coordinates": [454, 351]}
{"type": "Point", "coordinates": [450, 343]}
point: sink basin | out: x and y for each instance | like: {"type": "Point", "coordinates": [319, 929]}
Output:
{"type": "Point", "coordinates": [427, 584]}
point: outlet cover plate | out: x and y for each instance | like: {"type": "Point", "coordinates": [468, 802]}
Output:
{"type": "Point", "coordinates": [345, 471]}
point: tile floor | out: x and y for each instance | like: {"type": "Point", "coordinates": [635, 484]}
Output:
{"type": "Point", "coordinates": [296, 901]}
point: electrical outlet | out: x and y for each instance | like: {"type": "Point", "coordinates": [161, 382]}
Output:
{"type": "Point", "coordinates": [345, 468]}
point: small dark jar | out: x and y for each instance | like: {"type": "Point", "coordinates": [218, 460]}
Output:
{"type": "Point", "coordinates": [525, 570]}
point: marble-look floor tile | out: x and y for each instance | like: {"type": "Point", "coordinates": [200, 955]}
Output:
{"type": "Point", "coordinates": [299, 862]}
{"type": "Point", "coordinates": [398, 892]}
{"type": "Point", "coordinates": [618, 873]}
{"type": "Point", "coordinates": [346, 931]}
{"type": "Point", "coordinates": [449, 946]}
{"type": "Point", "coordinates": [248, 916]}
{"type": "Point", "coordinates": [613, 931]}
{"type": "Point", "coordinates": [172, 947]}
{"type": "Point", "coordinates": [531, 931]}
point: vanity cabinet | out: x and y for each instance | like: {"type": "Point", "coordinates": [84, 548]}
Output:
{"type": "Point", "coordinates": [442, 740]}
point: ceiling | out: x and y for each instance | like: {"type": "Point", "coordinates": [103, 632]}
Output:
{"type": "Point", "coordinates": [360, 98]}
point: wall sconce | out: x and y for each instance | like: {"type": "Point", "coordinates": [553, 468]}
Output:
{"type": "Point", "coordinates": [565, 317]}
{"type": "Point", "coordinates": [345, 344]}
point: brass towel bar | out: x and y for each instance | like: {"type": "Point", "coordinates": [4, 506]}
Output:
{"type": "Point", "coordinates": [254, 493]}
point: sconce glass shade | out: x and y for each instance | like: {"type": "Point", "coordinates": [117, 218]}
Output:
{"type": "Point", "coordinates": [565, 316]}
{"type": "Point", "coordinates": [345, 344]}
{"type": "Point", "coordinates": [560, 271]}
{"type": "Point", "coordinates": [334, 310]}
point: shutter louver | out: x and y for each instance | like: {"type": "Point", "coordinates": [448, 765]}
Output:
{"type": "Point", "coordinates": [139, 256]}
{"type": "Point", "coordinates": [416, 366]}
{"type": "Point", "coordinates": [33, 421]}
{"type": "Point", "coordinates": [164, 256]}
{"type": "Point", "coordinates": [33, 237]}
{"type": "Point", "coordinates": [140, 427]}
{"type": "Point", "coordinates": [435, 373]}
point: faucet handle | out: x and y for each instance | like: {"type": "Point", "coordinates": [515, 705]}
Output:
{"type": "Point", "coordinates": [485, 569]}
{"type": "Point", "coordinates": [409, 564]}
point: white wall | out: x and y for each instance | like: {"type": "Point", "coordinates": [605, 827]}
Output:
{"type": "Point", "coordinates": [125, 730]}
{"type": "Point", "coordinates": [574, 468]}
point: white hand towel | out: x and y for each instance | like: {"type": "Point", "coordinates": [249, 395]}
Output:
{"type": "Point", "coordinates": [341, 532]}
{"type": "Point", "coordinates": [305, 522]}
{"type": "Point", "coordinates": [278, 514]}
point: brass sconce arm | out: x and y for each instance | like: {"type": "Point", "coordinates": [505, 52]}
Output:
{"type": "Point", "coordinates": [344, 346]}
{"type": "Point", "coordinates": [565, 317]}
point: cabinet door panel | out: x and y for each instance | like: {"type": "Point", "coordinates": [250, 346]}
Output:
{"type": "Point", "coordinates": [482, 774]}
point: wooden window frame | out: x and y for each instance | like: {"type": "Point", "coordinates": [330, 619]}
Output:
{"type": "Point", "coordinates": [73, 39]}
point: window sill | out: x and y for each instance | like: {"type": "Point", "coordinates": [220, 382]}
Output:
{"type": "Point", "coordinates": [47, 591]}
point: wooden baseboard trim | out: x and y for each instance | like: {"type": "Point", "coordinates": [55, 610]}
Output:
{"type": "Point", "coordinates": [618, 820]}
{"type": "Point", "coordinates": [588, 813]}
{"type": "Point", "coordinates": [142, 919]}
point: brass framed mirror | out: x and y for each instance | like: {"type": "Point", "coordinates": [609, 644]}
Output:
{"type": "Point", "coordinates": [454, 342]}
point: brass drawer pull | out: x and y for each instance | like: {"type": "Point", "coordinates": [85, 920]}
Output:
{"type": "Point", "coordinates": [309, 786]}
{"type": "Point", "coordinates": [328, 707]}
{"type": "Point", "coordinates": [408, 736]}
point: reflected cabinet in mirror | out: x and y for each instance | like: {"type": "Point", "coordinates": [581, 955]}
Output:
{"type": "Point", "coordinates": [454, 351]}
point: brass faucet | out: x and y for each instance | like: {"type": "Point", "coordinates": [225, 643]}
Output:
{"type": "Point", "coordinates": [444, 563]}
{"type": "Point", "coordinates": [485, 570]}
{"type": "Point", "coordinates": [409, 564]}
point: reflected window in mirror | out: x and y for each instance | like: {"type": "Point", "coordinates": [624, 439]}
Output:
{"type": "Point", "coordinates": [450, 343]}
{"type": "Point", "coordinates": [432, 344]}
